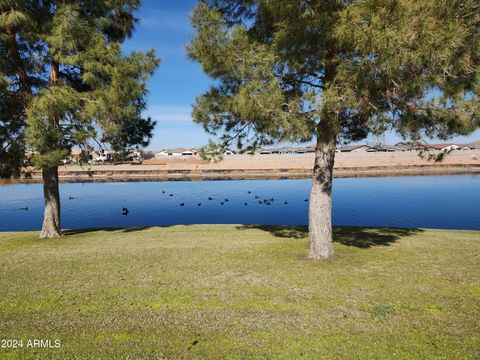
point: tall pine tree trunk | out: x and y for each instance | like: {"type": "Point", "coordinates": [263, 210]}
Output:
{"type": "Point", "coordinates": [320, 210]}
{"type": "Point", "coordinates": [51, 218]}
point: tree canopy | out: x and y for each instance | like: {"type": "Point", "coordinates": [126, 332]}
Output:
{"type": "Point", "coordinates": [410, 66]}
{"type": "Point", "coordinates": [64, 65]}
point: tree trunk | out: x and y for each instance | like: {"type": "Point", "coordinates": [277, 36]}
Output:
{"type": "Point", "coordinates": [320, 210]}
{"type": "Point", "coordinates": [13, 47]}
{"type": "Point", "coordinates": [51, 218]}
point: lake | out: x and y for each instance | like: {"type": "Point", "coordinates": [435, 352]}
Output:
{"type": "Point", "coordinates": [447, 202]}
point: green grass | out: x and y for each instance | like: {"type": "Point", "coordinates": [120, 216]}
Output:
{"type": "Point", "coordinates": [226, 291]}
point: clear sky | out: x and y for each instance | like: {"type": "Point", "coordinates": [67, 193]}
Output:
{"type": "Point", "coordinates": [165, 26]}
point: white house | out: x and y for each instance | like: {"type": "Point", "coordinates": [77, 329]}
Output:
{"type": "Point", "coordinates": [177, 152]}
{"type": "Point", "coordinates": [355, 148]}
{"type": "Point", "coordinates": [190, 152]}
{"type": "Point", "coordinates": [102, 156]}
{"type": "Point", "coordinates": [444, 147]}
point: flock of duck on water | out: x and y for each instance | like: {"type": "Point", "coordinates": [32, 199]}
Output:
{"type": "Point", "coordinates": [257, 199]}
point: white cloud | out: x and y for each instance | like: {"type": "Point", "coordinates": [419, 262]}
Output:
{"type": "Point", "coordinates": [169, 113]}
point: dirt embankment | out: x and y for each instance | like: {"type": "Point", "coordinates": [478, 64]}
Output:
{"type": "Point", "coordinates": [271, 167]}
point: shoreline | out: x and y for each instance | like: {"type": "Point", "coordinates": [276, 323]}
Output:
{"type": "Point", "coordinates": [153, 175]}
{"type": "Point", "coordinates": [265, 167]}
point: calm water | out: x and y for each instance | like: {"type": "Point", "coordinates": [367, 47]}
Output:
{"type": "Point", "coordinates": [451, 202]}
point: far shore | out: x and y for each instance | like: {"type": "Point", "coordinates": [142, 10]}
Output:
{"type": "Point", "coordinates": [239, 167]}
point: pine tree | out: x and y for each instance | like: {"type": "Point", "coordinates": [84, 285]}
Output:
{"type": "Point", "coordinates": [337, 71]}
{"type": "Point", "coordinates": [63, 66]}
{"type": "Point", "coordinates": [12, 124]}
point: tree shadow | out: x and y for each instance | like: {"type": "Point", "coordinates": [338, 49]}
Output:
{"type": "Point", "coordinates": [368, 237]}
{"type": "Point", "coordinates": [291, 232]}
{"type": "Point", "coordinates": [361, 237]}
{"type": "Point", "coordinates": [68, 232]}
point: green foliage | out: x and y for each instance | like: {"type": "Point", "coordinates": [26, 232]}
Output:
{"type": "Point", "coordinates": [212, 152]}
{"type": "Point", "coordinates": [72, 79]}
{"type": "Point", "coordinates": [283, 66]}
{"type": "Point", "coordinates": [12, 150]}
{"type": "Point", "coordinates": [416, 62]}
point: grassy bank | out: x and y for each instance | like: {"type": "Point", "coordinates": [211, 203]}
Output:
{"type": "Point", "coordinates": [242, 292]}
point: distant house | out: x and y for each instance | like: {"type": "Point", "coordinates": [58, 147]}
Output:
{"type": "Point", "coordinates": [443, 147]}
{"type": "Point", "coordinates": [190, 152]}
{"type": "Point", "coordinates": [177, 152]}
{"type": "Point", "coordinates": [475, 144]}
{"type": "Point", "coordinates": [381, 148]}
{"type": "Point", "coordinates": [102, 156]}
{"type": "Point", "coordinates": [287, 150]}
{"type": "Point", "coordinates": [76, 156]}
{"type": "Point", "coordinates": [471, 146]}
{"type": "Point", "coordinates": [409, 146]}
{"type": "Point", "coordinates": [354, 148]}
{"type": "Point", "coordinates": [265, 151]}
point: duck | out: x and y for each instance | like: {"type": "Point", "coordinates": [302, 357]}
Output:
{"type": "Point", "coordinates": [306, 200]}
{"type": "Point", "coordinates": [286, 202]}
{"type": "Point", "coordinates": [221, 203]}
{"type": "Point", "coordinates": [71, 198]}
{"type": "Point", "coordinates": [125, 211]}
{"type": "Point", "coordinates": [163, 191]}
{"type": "Point", "coordinates": [182, 204]}
{"type": "Point", "coordinates": [210, 198]}
{"type": "Point", "coordinates": [245, 204]}
{"type": "Point", "coordinates": [170, 195]}
{"type": "Point", "coordinates": [24, 208]}
{"type": "Point", "coordinates": [199, 204]}
{"type": "Point", "coordinates": [257, 197]}
{"type": "Point", "coordinates": [249, 192]}
{"type": "Point", "coordinates": [226, 200]}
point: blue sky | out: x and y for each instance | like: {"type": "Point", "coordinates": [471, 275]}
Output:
{"type": "Point", "coordinates": [165, 26]}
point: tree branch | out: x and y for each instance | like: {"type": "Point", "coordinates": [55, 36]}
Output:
{"type": "Point", "coordinates": [13, 47]}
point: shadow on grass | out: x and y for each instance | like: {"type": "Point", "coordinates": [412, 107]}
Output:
{"type": "Point", "coordinates": [350, 236]}
{"type": "Point", "coordinates": [117, 229]}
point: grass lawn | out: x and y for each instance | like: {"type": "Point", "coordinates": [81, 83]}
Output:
{"type": "Point", "coordinates": [227, 291]}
